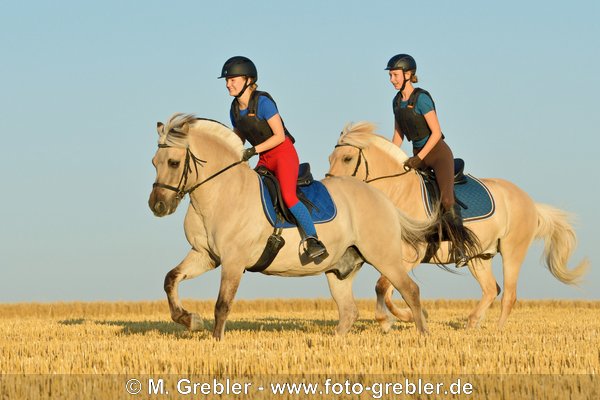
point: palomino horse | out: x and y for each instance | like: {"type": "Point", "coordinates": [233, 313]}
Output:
{"type": "Point", "coordinates": [517, 221]}
{"type": "Point", "coordinates": [225, 224]}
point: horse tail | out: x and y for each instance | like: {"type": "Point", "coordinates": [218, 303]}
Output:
{"type": "Point", "coordinates": [417, 232]}
{"type": "Point", "coordinates": [554, 227]}
{"type": "Point", "coordinates": [460, 234]}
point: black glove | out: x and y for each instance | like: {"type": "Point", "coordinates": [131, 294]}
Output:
{"type": "Point", "coordinates": [414, 162]}
{"type": "Point", "coordinates": [248, 153]}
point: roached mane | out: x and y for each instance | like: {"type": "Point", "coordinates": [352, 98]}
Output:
{"type": "Point", "coordinates": [175, 135]}
{"type": "Point", "coordinates": [362, 134]}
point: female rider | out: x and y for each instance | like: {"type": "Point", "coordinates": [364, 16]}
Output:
{"type": "Point", "coordinates": [255, 118]}
{"type": "Point", "coordinates": [415, 118]}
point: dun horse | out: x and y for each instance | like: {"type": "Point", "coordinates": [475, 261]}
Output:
{"type": "Point", "coordinates": [225, 224]}
{"type": "Point", "coordinates": [510, 230]}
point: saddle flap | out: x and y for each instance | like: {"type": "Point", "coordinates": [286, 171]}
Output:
{"type": "Point", "coordinates": [272, 185]}
{"type": "Point", "coordinates": [315, 197]}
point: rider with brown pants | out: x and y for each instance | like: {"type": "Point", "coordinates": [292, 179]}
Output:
{"type": "Point", "coordinates": [415, 118]}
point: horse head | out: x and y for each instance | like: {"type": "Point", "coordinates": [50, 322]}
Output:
{"type": "Point", "coordinates": [363, 154]}
{"type": "Point", "coordinates": [185, 145]}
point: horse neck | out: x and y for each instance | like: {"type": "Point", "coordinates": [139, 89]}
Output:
{"type": "Point", "coordinates": [223, 192]}
{"type": "Point", "coordinates": [403, 190]}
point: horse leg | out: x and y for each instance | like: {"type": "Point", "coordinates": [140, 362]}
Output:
{"type": "Point", "coordinates": [482, 271]}
{"type": "Point", "coordinates": [410, 293]}
{"type": "Point", "coordinates": [384, 290]}
{"type": "Point", "coordinates": [511, 262]}
{"type": "Point", "coordinates": [194, 264]}
{"type": "Point", "coordinates": [341, 291]}
{"type": "Point", "coordinates": [386, 310]}
{"type": "Point", "coordinates": [230, 281]}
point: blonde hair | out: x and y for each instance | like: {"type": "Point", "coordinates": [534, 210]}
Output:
{"type": "Point", "coordinates": [413, 77]}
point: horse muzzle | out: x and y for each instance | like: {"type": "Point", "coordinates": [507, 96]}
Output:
{"type": "Point", "coordinates": [162, 204]}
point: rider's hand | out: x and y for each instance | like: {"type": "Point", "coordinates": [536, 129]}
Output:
{"type": "Point", "coordinates": [414, 162]}
{"type": "Point", "coordinates": [248, 153]}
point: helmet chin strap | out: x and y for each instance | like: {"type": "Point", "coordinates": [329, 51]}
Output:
{"type": "Point", "coordinates": [403, 85]}
{"type": "Point", "coordinates": [404, 80]}
{"type": "Point", "coordinates": [246, 84]}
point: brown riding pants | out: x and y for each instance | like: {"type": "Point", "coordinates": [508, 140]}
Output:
{"type": "Point", "coordinates": [441, 160]}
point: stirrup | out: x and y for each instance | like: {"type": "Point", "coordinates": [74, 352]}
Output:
{"type": "Point", "coordinates": [312, 246]}
{"type": "Point", "coordinates": [460, 259]}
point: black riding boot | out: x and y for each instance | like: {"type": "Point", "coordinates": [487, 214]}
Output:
{"type": "Point", "coordinates": [314, 247]}
{"type": "Point", "coordinates": [457, 233]}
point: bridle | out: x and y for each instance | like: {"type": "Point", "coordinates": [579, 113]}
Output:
{"type": "Point", "coordinates": [361, 156]}
{"type": "Point", "coordinates": [187, 168]}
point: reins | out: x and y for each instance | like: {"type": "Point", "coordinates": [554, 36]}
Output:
{"type": "Point", "coordinates": [361, 156]}
{"type": "Point", "coordinates": [189, 156]}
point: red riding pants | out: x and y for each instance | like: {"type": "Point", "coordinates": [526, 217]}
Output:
{"type": "Point", "coordinates": [283, 162]}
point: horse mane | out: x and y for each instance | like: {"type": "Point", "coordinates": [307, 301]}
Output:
{"type": "Point", "coordinates": [181, 127]}
{"type": "Point", "coordinates": [362, 134]}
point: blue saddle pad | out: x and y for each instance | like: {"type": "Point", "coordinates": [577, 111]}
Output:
{"type": "Point", "coordinates": [474, 194]}
{"type": "Point", "coordinates": [316, 192]}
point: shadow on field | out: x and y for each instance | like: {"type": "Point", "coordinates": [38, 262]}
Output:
{"type": "Point", "coordinates": [137, 327]}
{"type": "Point", "coordinates": [256, 325]}
{"type": "Point", "coordinates": [457, 325]}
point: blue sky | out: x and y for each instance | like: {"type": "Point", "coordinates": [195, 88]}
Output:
{"type": "Point", "coordinates": [84, 83]}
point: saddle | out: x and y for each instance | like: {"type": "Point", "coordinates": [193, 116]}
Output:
{"type": "Point", "coordinates": [281, 217]}
{"type": "Point", "coordinates": [283, 213]}
{"type": "Point", "coordinates": [459, 172]}
{"type": "Point", "coordinates": [431, 185]}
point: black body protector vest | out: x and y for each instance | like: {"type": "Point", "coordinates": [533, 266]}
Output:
{"type": "Point", "coordinates": [412, 124]}
{"type": "Point", "coordinates": [252, 128]}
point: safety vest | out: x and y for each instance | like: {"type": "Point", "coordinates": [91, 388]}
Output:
{"type": "Point", "coordinates": [412, 124]}
{"type": "Point", "coordinates": [252, 128]}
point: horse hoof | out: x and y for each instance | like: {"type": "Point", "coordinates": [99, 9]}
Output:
{"type": "Point", "coordinates": [196, 322]}
{"type": "Point", "coordinates": [386, 326]}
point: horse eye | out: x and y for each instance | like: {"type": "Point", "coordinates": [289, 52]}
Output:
{"type": "Point", "coordinates": [173, 163]}
{"type": "Point", "coordinates": [347, 159]}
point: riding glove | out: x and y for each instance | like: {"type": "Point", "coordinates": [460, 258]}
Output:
{"type": "Point", "coordinates": [248, 153]}
{"type": "Point", "coordinates": [414, 162]}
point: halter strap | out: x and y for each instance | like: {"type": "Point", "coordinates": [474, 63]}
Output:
{"type": "Point", "coordinates": [189, 156]}
{"type": "Point", "coordinates": [361, 155]}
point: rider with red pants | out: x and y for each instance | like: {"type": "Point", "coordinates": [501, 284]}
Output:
{"type": "Point", "coordinates": [255, 118]}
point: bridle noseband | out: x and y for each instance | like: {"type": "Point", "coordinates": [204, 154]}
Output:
{"type": "Point", "coordinates": [361, 156]}
{"type": "Point", "coordinates": [187, 168]}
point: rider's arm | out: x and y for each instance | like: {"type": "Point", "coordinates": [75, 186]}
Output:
{"type": "Point", "coordinates": [278, 137]}
{"type": "Point", "coordinates": [398, 136]}
{"type": "Point", "coordinates": [436, 133]}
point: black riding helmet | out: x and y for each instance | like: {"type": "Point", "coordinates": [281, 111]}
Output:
{"type": "Point", "coordinates": [403, 62]}
{"type": "Point", "coordinates": [239, 66]}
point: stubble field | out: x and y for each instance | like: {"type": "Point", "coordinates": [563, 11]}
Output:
{"type": "Point", "coordinates": [549, 349]}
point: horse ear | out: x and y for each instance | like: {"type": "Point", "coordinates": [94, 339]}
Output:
{"type": "Point", "coordinates": [160, 128]}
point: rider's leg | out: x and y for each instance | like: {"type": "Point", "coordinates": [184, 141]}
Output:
{"type": "Point", "coordinates": [286, 171]}
{"type": "Point", "coordinates": [441, 159]}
